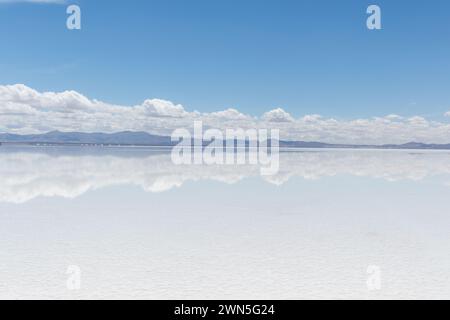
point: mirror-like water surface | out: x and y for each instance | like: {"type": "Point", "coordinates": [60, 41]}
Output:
{"type": "Point", "coordinates": [331, 224]}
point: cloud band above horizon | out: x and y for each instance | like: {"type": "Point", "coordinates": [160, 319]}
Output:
{"type": "Point", "coordinates": [24, 110]}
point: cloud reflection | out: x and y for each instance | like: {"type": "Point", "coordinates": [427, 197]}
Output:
{"type": "Point", "coordinates": [28, 173]}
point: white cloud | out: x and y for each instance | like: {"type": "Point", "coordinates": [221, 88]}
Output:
{"type": "Point", "coordinates": [394, 117]}
{"type": "Point", "coordinates": [230, 114]}
{"type": "Point", "coordinates": [418, 121]}
{"type": "Point", "coordinates": [278, 115]}
{"type": "Point", "coordinates": [162, 108]}
{"type": "Point", "coordinates": [24, 110]}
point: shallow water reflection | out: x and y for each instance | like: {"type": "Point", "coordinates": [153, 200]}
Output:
{"type": "Point", "coordinates": [70, 172]}
{"type": "Point", "coordinates": [138, 226]}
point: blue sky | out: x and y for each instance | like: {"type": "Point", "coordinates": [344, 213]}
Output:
{"type": "Point", "coordinates": [308, 57]}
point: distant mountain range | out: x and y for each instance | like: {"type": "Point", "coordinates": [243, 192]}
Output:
{"type": "Point", "coordinates": [129, 138]}
{"type": "Point", "coordinates": [79, 138]}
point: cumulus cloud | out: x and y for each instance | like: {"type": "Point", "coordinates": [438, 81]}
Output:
{"type": "Point", "coordinates": [419, 121]}
{"type": "Point", "coordinates": [231, 114]}
{"type": "Point", "coordinates": [24, 110]}
{"type": "Point", "coordinates": [277, 115]}
{"type": "Point", "coordinates": [162, 108]}
{"type": "Point", "coordinates": [394, 117]}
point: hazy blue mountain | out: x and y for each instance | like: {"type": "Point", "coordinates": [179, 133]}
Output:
{"type": "Point", "coordinates": [130, 138]}
{"type": "Point", "coordinates": [120, 138]}
{"type": "Point", "coordinates": [417, 145]}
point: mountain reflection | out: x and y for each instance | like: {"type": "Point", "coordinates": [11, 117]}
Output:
{"type": "Point", "coordinates": [27, 173]}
